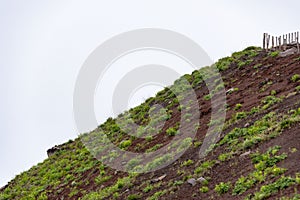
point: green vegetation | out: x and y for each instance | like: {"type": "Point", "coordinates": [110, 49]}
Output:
{"type": "Point", "coordinates": [295, 77]}
{"type": "Point", "coordinates": [247, 54]}
{"type": "Point", "coordinates": [134, 197]}
{"type": "Point", "coordinates": [156, 195]}
{"type": "Point", "coordinates": [269, 101]}
{"type": "Point", "coordinates": [240, 115]}
{"type": "Point", "coordinates": [265, 165]}
{"type": "Point", "coordinates": [257, 66]}
{"type": "Point", "coordinates": [207, 97]}
{"type": "Point", "coordinates": [101, 179]}
{"type": "Point", "coordinates": [269, 189]}
{"type": "Point", "coordinates": [204, 167]}
{"type": "Point", "coordinates": [225, 156]}
{"type": "Point", "coordinates": [273, 92]}
{"type": "Point", "coordinates": [244, 138]}
{"type": "Point", "coordinates": [222, 188]}
{"type": "Point", "coordinates": [172, 131]}
{"type": "Point", "coordinates": [148, 188]}
{"type": "Point", "coordinates": [121, 183]}
{"type": "Point", "coordinates": [238, 106]}
{"type": "Point", "coordinates": [274, 53]}
{"type": "Point", "coordinates": [187, 163]}
{"type": "Point", "coordinates": [204, 189]}
{"type": "Point", "coordinates": [124, 144]}
{"type": "Point", "coordinates": [241, 64]}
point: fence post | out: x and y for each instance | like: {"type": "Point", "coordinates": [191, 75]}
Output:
{"type": "Point", "coordinates": [284, 42]}
{"type": "Point", "coordinates": [268, 41]}
{"type": "Point", "coordinates": [279, 41]}
{"type": "Point", "coordinates": [298, 42]}
{"type": "Point", "coordinates": [264, 41]}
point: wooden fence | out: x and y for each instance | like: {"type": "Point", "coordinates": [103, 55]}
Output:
{"type": "Point", "coordinates": [281, 42]}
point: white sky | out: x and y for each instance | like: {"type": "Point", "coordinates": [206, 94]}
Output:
{"type": "Point", "coordinates": [44, 43]}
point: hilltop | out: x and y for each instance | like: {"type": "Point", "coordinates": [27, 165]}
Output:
{"type": "Point", "coordinates": [255, 157]}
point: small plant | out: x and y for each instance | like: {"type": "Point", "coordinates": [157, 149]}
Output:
{"type": "Point", "coordinates": [177, 183]}
{"type": "Point", "coordinates": [219, 87]}
{"type": "Point", "coordinates": [298, 88]}
{"type": "Point", "coordinates": [241, 64]}
{"type": "Point", "coordinates": [293, 150]}
{"type": "Point", "coordinates": [204, 166]}
{"type": "Point", "coordinates": [207, 97]}
{"type": "Point", "coordinates": [267, 190]}
{"type": "Point", "coordinates": [225, 156]}
{"type": "Point", "coordinates": [240, 115]}
{"type": "Point", "coordinates": [197, 144]}
{"type": "Point", "coordinates": [125, 143]}
{"type": "Point", "coordinates": [238, 106]}
{"type": "Point", "coordinates": [242, 185]}
{"type": "Point", "coordinates": [274, 53]}
{"type": "Point", "coordinates": [257, 66]}
{"type": "Point", "coordinates": [134, 197]}
{"type": "Point", "coordinates": [149, 138]}
{"type": "Point", "coordinates": [269, 101]}
{"type": "Point", "coordinates": [148, 188]}
{"type": "Point", "coordinates": [224, 63]}
{"type": "Point", "coordinates": [295, 77]}
{"type": "Point", "coordinates": [133, 163]}
{"type": "Point", "coordinates": [204, 189]}
{"type": "Point", "coordinates": [187, 163]}
{"type": "Point", "coordinates": [101, 179]}
{"type": "Point", "coordinates": [232, 90]}
{"type": "Point", "coordinates": [156, 195]}
{"type": "Point", "coordinates": [116, 195]}
{"type": "Point", "coordinates": [273, 92]}
{"type": "Point", "coordinates": [297, 179]}
{"type": "Point", "coordinates": [154, 148]}
{"type": "Point", "coordinates": [297, 59]}
{"type": "Point", "coordinates": [172, 131]}
{"type": "Point", "coordinates": [223, 187]}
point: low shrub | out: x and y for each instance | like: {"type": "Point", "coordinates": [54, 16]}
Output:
{"type": "Point", "coordinates": [295, 77]}
{"type": "Point", "coordinates": [222, 187]}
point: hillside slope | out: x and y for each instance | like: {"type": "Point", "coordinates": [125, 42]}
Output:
{"type": "Point", "coordinates": [256, 156]}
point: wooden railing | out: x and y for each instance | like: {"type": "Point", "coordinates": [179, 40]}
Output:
{"type": "Point", "coordinates": [281, 42]}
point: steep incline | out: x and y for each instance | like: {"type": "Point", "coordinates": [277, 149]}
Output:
{"type": "Point", "coordinates": [256, 156]}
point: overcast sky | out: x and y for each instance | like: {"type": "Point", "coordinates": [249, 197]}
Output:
{"type": "Point", "coordinates": [44, 43]}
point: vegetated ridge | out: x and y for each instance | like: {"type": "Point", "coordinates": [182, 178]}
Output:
{"type": "Point", "coordinates": [255, 157]}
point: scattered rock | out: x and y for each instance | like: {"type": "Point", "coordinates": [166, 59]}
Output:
{"type": "Point", "coordinates": [246, 125]}
{"type": "Point", "coordinates": [3, 188]}
{"type": "Point", "coordinates": [291, 94]}
{"type": "Point", "coordinates": [192, 181]}
{"type": "Point", "coordinates": [158, 179]}
{"type": "Point", "coordinates": [288, 52]}
{"type": "Point", "coordinates": [245, 154]}
{"type": "Point", "coordinates": [201, 179]}
{"type": "Point", "coordinates": [230, 91]}
{"type": "Point", "coordinates": [53, 150]}
{"type": "Point", "coordinates": [73, 183]}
